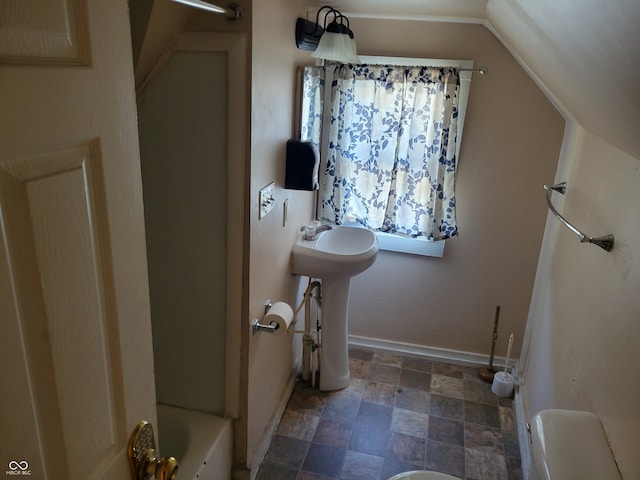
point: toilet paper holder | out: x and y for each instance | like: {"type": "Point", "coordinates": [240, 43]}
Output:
{"type": "Point", "coordinates": [256, 326]}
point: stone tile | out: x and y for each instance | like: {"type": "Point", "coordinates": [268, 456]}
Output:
{"type": "Point", "coordinates": [341, 408]}
{"type": "Point", "coordinates": [446, 407]}
{"type": "Point", "coordinates": [410, 423]}
{"type": "Point", "coordinates": [446, 369]}
{"type": "Point", "coordinates": [375, 414]}
{"type": "Point", "coordinates": [445, 458]}
{"type": "Point", "coordinates": [360, 353]}
{"type": "Point", "coordinates": [514, 468]}
{"type": "Point", "coordinates": [270, 471]}
{"type": "Point", "coordinates": [372, 428]}
{"type": "Point", "coordinates": [296, 424]}
{"type": "Point", "coordinates": [371, 439]}
{"type": "Point", "coordinates": [359, 368]}
{"type": "Point", "coordinates": [388, 359]}
{"type": "Point", "coordinates": [308, 476]}
{"type": "Point", "coordinates": [354, 390]}
{"type": "Point", "coordinates": [482, 438]}
{"type": "Point", "coordinates": [324, 460]}
{"type": "Point", "coordinates": [383, 423]}
{"type": "Point", "coordinates": [333, 432]}
{"type": "Point", "coordinates": [361, 466]}
{"type": "Point", "coordinates": [393, 466]}
{"type": "Point", "coordinates": [384, 373]}
{"type": "Point", "coordinates": [415, 400]}
{"type": "Point", "coordinates": [286, 451]}
{"type": "Point", "coordinates": [305, 398]}
{"type": "Point", "coordinates": [484, 466]}
{"type": "Point", "coordinates": [479, 392]}
{"type": "Point", "coordinates": [415, 380]}
{"type": "Point", "coordinates": [376, 392]}
{"type": "Point", "coordinates": [482, 414]}
{"type": "Point", "coordinates": [471, 374]}
{"type": "Point", "coordinates": [446, 430]}
{"type": "Point", "coordinates": [511, 444]}
{"type": "Point", "coordinates": [406, 448]}
{"type": "Point", "coordinates": [507, 419]}
{"type": "Point", "coordinates": [417, 364]}
{"type": "Point", "coordinates": [447, 386]}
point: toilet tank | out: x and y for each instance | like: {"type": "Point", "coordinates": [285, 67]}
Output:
{"type": "Point", "coordinates": [569, 445]}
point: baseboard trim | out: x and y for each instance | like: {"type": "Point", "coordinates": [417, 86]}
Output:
{"type": "Point", "coordinates": [441, 354]}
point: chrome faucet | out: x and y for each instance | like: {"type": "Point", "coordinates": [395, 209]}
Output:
{"type": "Point", "coordinates": [311, 231]}
{"type": "Point", "coordinates": [323, 228]}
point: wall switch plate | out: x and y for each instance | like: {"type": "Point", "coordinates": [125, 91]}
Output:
{"type": "Point", "coordinates": [267, 200]}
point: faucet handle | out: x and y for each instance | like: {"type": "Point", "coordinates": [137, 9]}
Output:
{"type": "Point", "coordinates": [310, 232]}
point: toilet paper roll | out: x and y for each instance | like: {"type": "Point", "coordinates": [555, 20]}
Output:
{"type": "Point", "coordinates": [281, 314]}
{"type": "Point", "coordinates": [502, 384]}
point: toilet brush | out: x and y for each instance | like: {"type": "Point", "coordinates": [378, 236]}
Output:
{"type": "Point", "coordinates": [506, 361]}
{"type": "Point", "coordinates": [487, 373]}
{"type": "Point", "coordinates": [503, 381]}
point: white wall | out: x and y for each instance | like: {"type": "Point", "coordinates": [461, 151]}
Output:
{"type": "Point", "coordinates": [272, 360]}
{"type": "Point", "coordinates": [512, 138]}
{"type": "Point", "coordinates": [584, 321]}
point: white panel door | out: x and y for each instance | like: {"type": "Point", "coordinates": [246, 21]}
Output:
{"type": "Point", "coordinates": [76, 361]}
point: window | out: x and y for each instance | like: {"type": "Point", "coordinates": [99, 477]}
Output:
{"type": "Point", "coordinates": [388, 149]}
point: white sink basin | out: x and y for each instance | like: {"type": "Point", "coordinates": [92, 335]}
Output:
{"type": "Point", "coordinates": [340, 252]}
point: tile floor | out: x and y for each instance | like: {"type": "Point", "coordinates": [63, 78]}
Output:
{"type": "Point", "coordinates": [399, 413]}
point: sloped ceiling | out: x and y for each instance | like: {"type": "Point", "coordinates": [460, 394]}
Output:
{"type": "Point", "coordinates": [153, 25]}
{"type": "Point", "coordinates": [584, 54]}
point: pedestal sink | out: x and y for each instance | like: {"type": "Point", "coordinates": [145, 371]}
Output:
{"type": "Point", "coordinates": [334, 256]}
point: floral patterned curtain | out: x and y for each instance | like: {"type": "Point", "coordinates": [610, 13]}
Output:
{"type": "Point", "coordinates": [391, 156]}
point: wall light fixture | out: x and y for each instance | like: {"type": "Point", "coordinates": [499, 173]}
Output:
{"type": "Point", "coordinates": [333, 42]}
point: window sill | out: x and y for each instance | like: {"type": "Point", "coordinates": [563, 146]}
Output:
{"type": "Point", "coordinates": [413, 246]}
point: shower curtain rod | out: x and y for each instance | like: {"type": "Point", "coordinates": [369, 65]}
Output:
{"type": "Point", "coordinates": [481, 70]}
{"type": "Point", "coordinates": [605, 242]}
{"type": "Point", "coordinates": [232, 12]}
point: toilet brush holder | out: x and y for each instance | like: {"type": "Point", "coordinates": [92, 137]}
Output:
{"type": "Point", "coordinates": [502, 384]}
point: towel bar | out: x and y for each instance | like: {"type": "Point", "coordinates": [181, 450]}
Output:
{"type": "Point", "coordinates": [605, 242]}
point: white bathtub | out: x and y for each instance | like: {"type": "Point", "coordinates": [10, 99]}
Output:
{"type": "Point", "coordinates": [202, 443]}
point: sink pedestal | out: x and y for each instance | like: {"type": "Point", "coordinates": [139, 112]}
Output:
{"type": "Point", "coordinates": [334, 348]}
{"type": "Point", "coordinates": [334, 256]}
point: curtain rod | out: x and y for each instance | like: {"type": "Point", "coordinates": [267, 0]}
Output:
{"type": "Point", "coordinates": [232, 12]}
{"type": "Point", "coordinates": [481, 70]}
